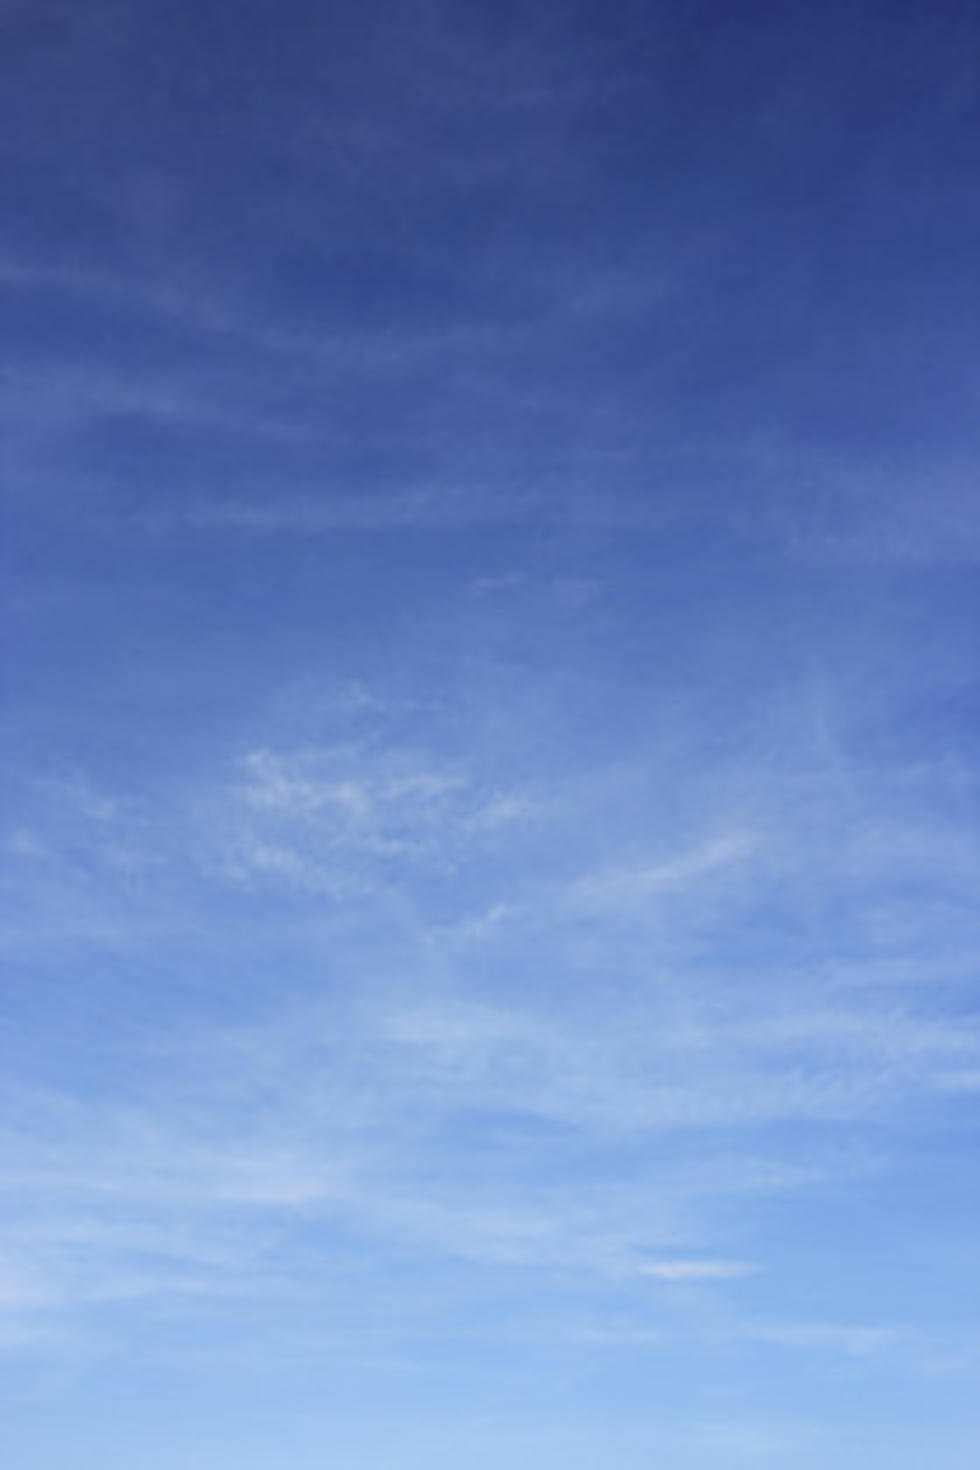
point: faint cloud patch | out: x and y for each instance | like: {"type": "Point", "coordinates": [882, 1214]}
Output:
{"type": "Point", "coordinates": [684, 1270]}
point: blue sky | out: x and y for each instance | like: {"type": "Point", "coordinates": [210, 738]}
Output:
{"type": "Point", "coordinates": [491, 849]}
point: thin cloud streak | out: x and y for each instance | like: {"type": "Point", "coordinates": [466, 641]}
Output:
{"type": "Point", "coordinates": [490, 865]}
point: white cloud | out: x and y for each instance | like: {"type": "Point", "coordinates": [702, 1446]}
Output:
{"type": "Point", "coordinates": [517, 1076]}
{"type": "Point", "coordinates": [633, 889]}
{"type": "Point", "coordinates": [682, 1270]}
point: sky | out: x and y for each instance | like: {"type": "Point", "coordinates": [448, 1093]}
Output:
{"type": "Point", "coordinates": [490, 854]}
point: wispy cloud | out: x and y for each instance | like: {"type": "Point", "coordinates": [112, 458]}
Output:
{"type": "Point", "coordinates": [489, 865]}
{"type": "Point", "coordinates": [637, 889]}
{"type": "Point", "coordinates": [696, 1270]}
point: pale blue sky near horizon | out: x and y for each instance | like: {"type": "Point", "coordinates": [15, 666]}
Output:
{"type": "Point", "coordinates": [491, 848]}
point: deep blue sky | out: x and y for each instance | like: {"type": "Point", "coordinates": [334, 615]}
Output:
{"type": "Point", "coordinates": [490, 734]}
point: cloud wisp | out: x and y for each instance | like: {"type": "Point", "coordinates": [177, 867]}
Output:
{"type": "Point", "coordinates": [619, 1129]}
